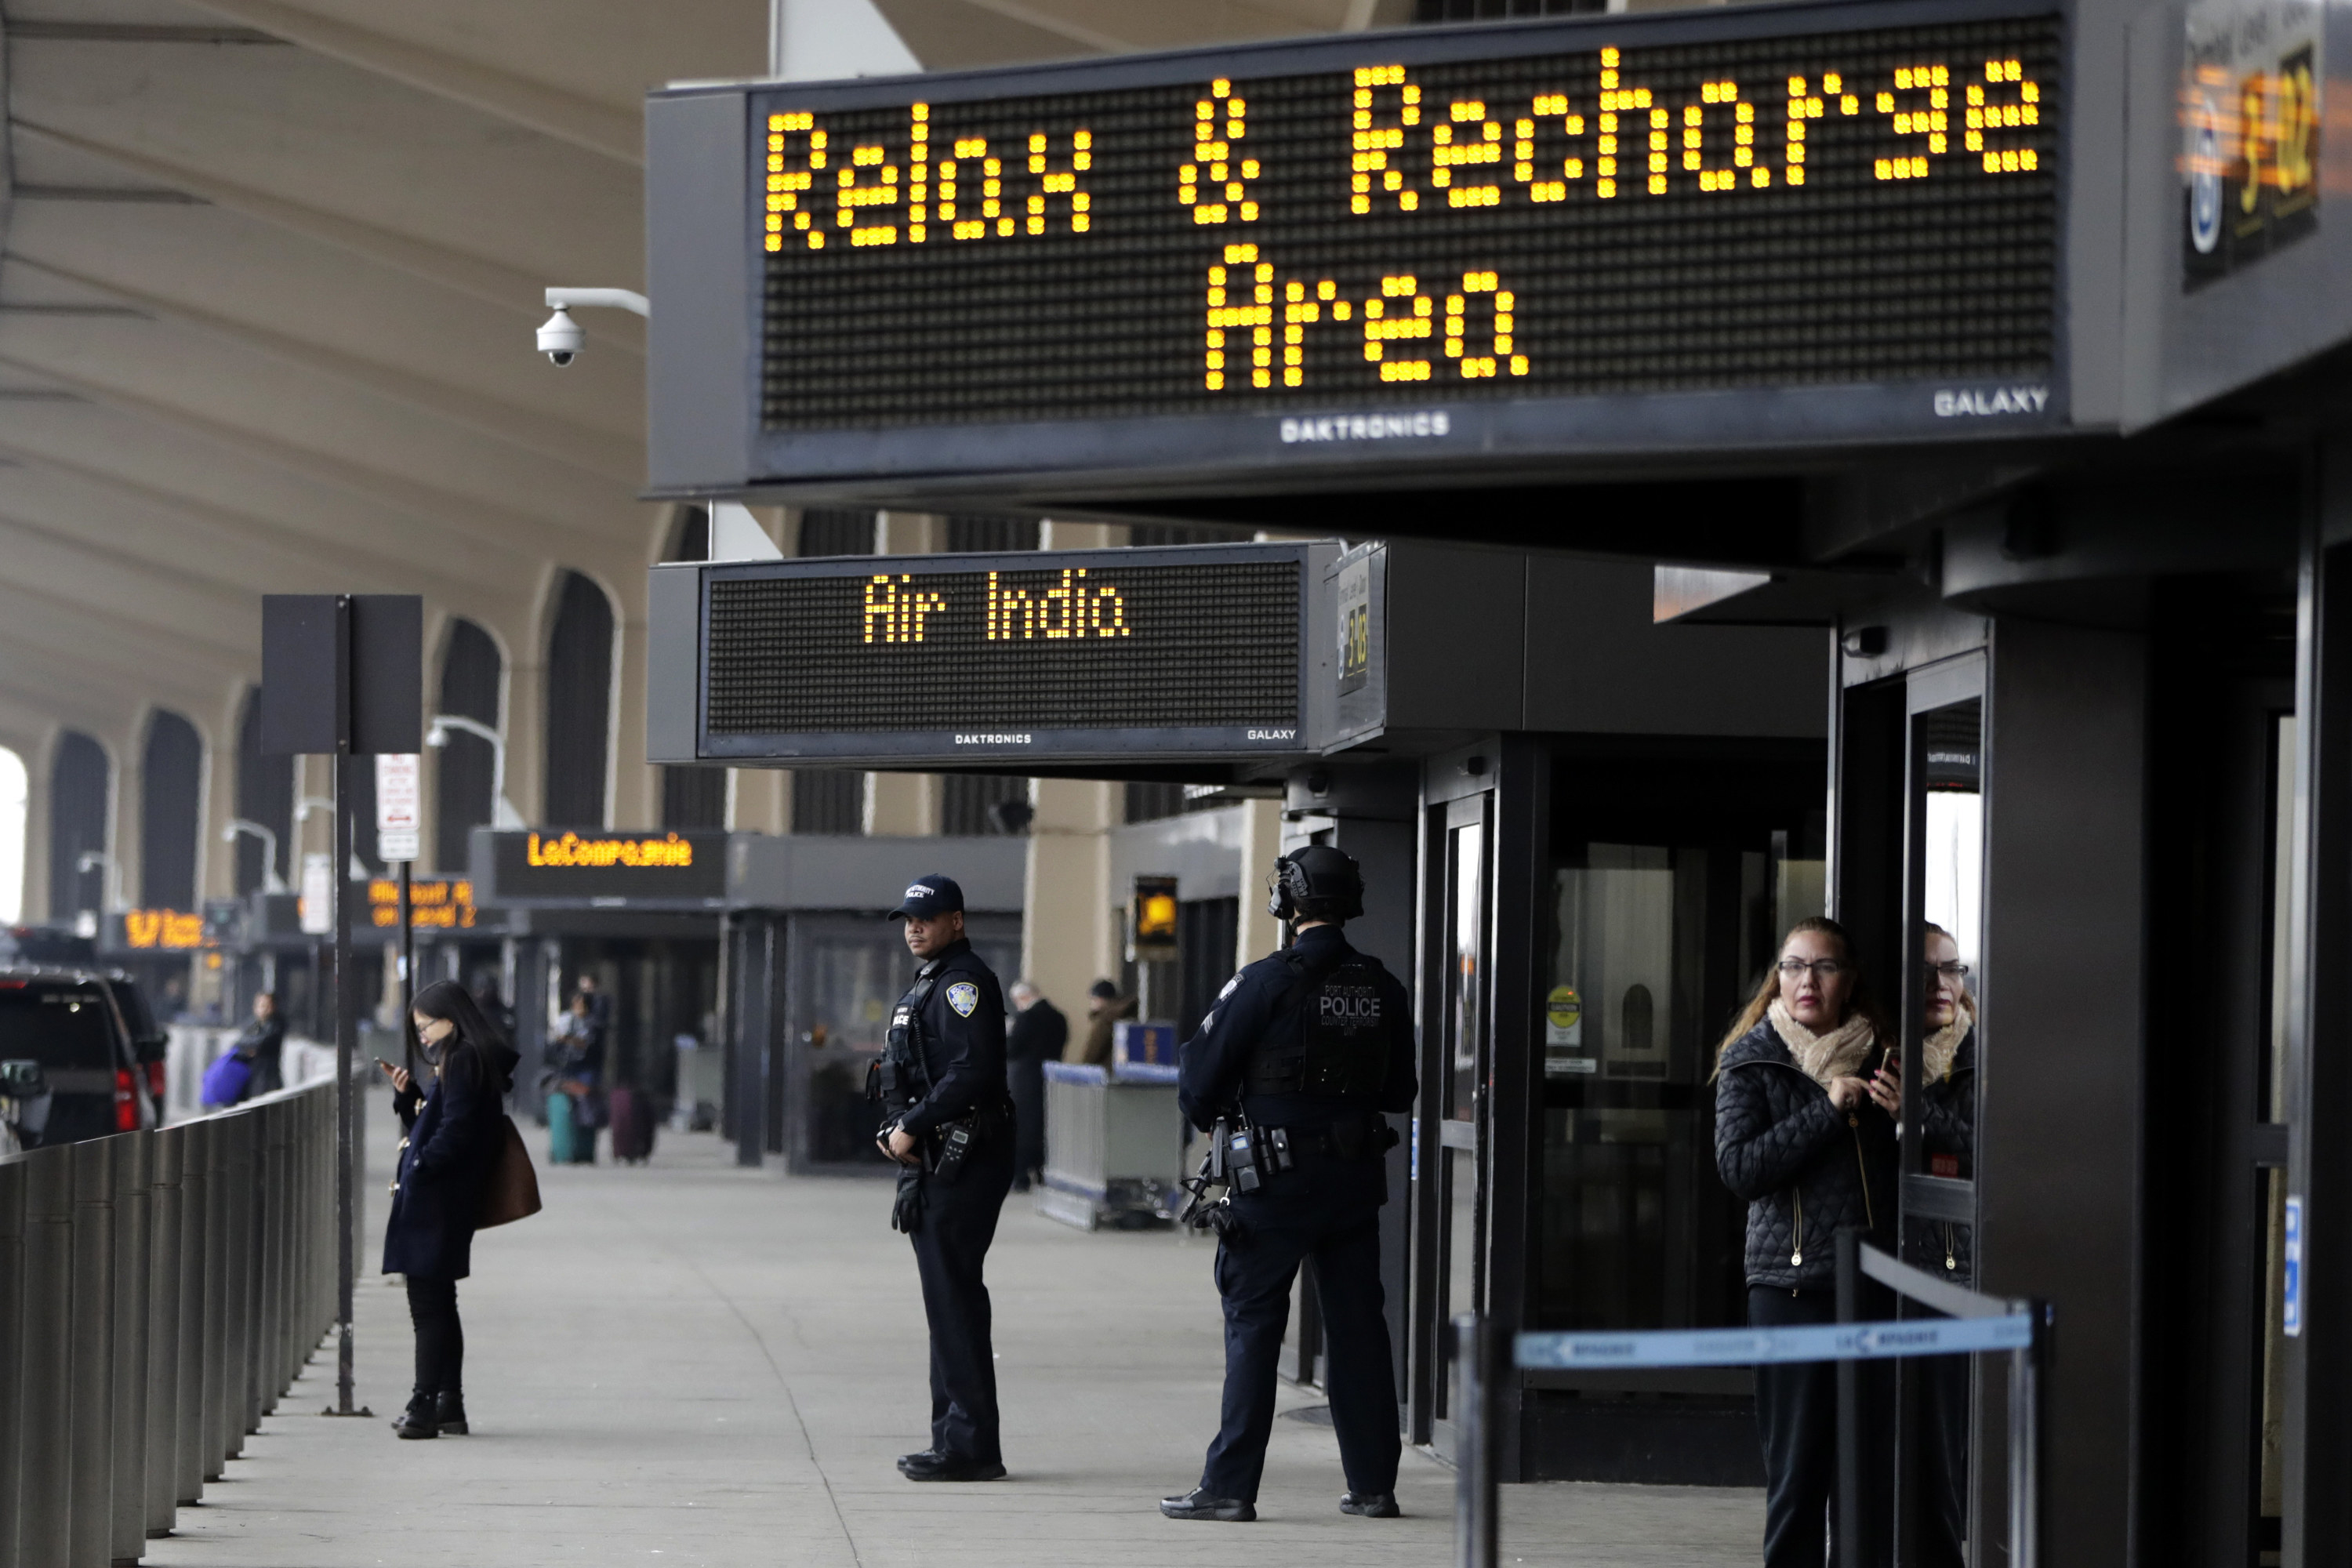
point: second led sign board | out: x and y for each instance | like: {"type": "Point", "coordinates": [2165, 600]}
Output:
{"type": "Point", "coordinates": [1799, 225]}
{"type": "Point", "coordinates": [1205, 651]}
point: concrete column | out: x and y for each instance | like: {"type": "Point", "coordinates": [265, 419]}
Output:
{"type": "Point", "coordinates": [523, 708]}
{"type": "Point", "coordinates": [216, 861]}
{"type": "Point", "coordinates": [1260, 932]}
{"type": "Point", "coordinates": [1052, 535]}
{"type": "Point", "coordinates": [1068, 939]}
{"type": "Point", "coordinates": [38, 759]}
{"type": "Point", "coordinates": [122, 837]}
{"type": "Point", "coordinates": [903, 805]}
{"type": "Point", "coordinates": [633, 790]}
{"type": "Point", "coordinates": [760, 800]}
{"type": "Point", "coordinates": [909, 533]}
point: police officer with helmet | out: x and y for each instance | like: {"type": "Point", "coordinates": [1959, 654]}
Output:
{"type": "Point", "coordinates": [948, 1123]}
{"type": "Point", "coordinates": [1290, 1075]}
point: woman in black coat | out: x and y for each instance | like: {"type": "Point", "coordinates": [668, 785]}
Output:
{"type": "Point", "coordinates": [454, 1129]}
{"type": "Point", "coordinates": [1799, 1135]}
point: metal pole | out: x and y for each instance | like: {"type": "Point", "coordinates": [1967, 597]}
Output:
{"type": "Point", "coordinates": [196, 1242]}
{"type": "Point", "coordinates": [44, 1393]}
{"type": "Point", "coordinates": [1476, 1536]}
{"type": "Point", "coordinates": [163, 1269]}
{"type": "Point", "coordinates": [133, 1178]}
{"type": "Point", "coordinates": [89, 1495]}
{"type": "Point", "coordinates": [407, 950]}
{"type": "Point", "coordinates": [345, 1028]}
{"type": "Point", "coordinates": [2025, 1442]}
{"type": "Point", "coordinates": [1849, 1553]}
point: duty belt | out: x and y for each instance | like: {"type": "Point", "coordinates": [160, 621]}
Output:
{"type": "Point", "coordinates": [1346, 1140]}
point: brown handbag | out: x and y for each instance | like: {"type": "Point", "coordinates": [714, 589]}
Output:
{"type": "Point", "coordinates": [511, 1191]}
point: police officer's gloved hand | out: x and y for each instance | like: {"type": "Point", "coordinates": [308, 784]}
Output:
{"type": "Point", "coordinates": [907, 1211]}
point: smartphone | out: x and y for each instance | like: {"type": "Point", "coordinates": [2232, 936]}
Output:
{"type": "Point", "coordinates": [388, 1068]}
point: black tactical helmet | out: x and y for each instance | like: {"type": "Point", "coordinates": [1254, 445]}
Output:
{"type": "Point", "coordinates": [1316, 883]}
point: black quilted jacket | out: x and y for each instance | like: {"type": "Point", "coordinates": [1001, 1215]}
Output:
{"type": "Point", "coordinates": [1807, 1169]}
{"type": "Point", "coordinates": [1947, 1125]}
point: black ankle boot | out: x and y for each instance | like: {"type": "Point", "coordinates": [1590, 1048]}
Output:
{"type": "Point", "coordinates": [418, 1420]}
{"type": "Point", "coordinates": [449, 1412]}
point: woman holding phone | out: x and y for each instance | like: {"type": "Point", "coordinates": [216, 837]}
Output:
{"type": "Point", "coordinates": [1799, 1135]}
{"type": "Point", "coordinates": [454, 1129]}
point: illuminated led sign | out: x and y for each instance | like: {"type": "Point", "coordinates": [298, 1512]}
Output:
{"type": "Point", "coordinates": [1198, 649]}
{"type": "Point", "coordinates": [580, 868]}
{"type": "Point", "coordinates": [437, 905]}
{"type": "Point", "coordinates": [1409, 239]}
{"type": "Point", "coordinates": [165, 930]}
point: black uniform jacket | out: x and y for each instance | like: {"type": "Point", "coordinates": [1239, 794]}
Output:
{"type": "Point", "coordinates": [1038, 1034]}
{"type": "Point", "coordinates": [1250, 1012]}
{"type": "Point", "coordinates": [964, 1039]}
{"type": "Point", "coordinates": [1807, 1169]}
{"type": "Point", "coordinates": [452, 1131]}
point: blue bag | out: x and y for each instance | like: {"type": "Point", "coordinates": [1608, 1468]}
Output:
{"type": "Point", "coordinates": [226, 1080]}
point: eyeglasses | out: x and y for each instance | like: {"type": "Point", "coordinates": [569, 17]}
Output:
{"type": "Point", "coordinates": [1948, 971]}
{"type": "Point", "coordinates": [1822, 968]}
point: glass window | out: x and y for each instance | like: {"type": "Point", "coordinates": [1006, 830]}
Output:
{"type": "Point", "coordinates": [1466, 975]}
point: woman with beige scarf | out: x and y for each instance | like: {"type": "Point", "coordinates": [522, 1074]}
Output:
{"type": "Point", "coordinates": [1948, 1131]}
{"type": "Point", "coordinates": [1801, 1136]}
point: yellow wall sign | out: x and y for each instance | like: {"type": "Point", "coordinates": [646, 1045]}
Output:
{"type": "Point", "coordinates": [441, 904]}
{"type": "Point", "coordinates": [570, 849]}
{"type": "Point", "coordinates": [171, 930]}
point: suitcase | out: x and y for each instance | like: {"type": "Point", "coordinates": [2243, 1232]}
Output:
{"type": "Point", "coordinates": [563, 1132]}
{"type": "Point", "coordinates": [632, 1115]}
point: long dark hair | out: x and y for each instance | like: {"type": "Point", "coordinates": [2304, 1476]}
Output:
{"type": "Point", "coordinates": [1858, 1001]}
{"type": "Point", "coordinates": [473, 1042]}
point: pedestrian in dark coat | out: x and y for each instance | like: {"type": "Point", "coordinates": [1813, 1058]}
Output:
{"type": "Point", "coordinates": [1800, 1137]}
{"type": "Point", "coordinates": [263, 1042]}
{"type": "Point", "coordinates": [1038, 1033]}
{"type": "Point", "coordinates": [454, 1128]}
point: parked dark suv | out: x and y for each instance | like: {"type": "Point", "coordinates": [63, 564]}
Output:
{"type": "Point", "coordinates": [70, 1024]}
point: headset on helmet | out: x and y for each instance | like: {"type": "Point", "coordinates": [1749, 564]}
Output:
{"type": "Point", "coordinates": [1316, 883]}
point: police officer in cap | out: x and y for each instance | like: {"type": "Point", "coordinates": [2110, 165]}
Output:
{"type": "Point", "coordinates": [1302, 1054]}
{"type": "Point", "coordinates": [948, 1122]}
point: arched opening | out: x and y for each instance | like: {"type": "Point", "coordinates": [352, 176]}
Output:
{"type": "Point", "coordinates": [171, 799]}
{"type": "Point", "coordinates": [265, 796]}
{"type": "Point", "coordinates": [579, 703]}
{"type": "Point", "coordinates": [472, 673]}
{"type": "Point", "coordinates": [15, 789]}
{"type": "Point", "coordinates": [81, 780]}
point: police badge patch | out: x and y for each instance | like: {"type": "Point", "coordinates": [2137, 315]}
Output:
{"type": "Point", "coordinates": [963, 996]}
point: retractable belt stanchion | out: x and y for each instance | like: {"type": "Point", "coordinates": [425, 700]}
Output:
{"type": "Point", "coordinates": [1476, 1531]}
{"type": "Point", "coordinates": [1973, 1324]}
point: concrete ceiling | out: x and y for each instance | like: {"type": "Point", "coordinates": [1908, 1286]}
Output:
{"type": "Point", "coordinates": [267, 278]}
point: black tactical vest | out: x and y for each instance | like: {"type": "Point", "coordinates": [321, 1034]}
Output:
{"type": "Point", "coordinates": [1342, 1043]}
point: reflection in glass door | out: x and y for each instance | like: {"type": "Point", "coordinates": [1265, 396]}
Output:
{"type": "Point", "coordinates": [1466, 1052]}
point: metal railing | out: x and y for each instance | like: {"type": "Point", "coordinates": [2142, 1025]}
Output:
{"type": "Point", "coordinates": [160, 1290]}
{"type": "Point", "coordinates": [1973, 1323]}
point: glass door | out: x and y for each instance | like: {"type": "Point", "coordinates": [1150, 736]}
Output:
{"type": "Point", "coordinates": [1466, 1051]}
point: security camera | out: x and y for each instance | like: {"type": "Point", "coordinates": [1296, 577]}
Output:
{"type": "Point", "coordinates": [560, 337]}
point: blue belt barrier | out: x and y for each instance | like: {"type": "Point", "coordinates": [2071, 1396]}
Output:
{"type": "Point", "coordinates": [1750, 1347]}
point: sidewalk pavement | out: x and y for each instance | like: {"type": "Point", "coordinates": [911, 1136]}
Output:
{"type": "Point", "coordinates": [689, 1364]}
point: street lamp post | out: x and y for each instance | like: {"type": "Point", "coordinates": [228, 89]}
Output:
{"type": "Point", "coordinates": [502, 811]}
{"type": "Point", "coordinates": [271, 882]}
{"type": "Point", "coordinates": [111, 895]}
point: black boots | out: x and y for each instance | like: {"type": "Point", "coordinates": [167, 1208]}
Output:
{"type": "Point", "coordinates": [430, 1415]}
{"type": "Point", "coordinates": [931, 1465]}
{"type": "Point", "coordinates": [1370, 1505]}
{"type": "Point", "coordinates": [418, 1420]}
